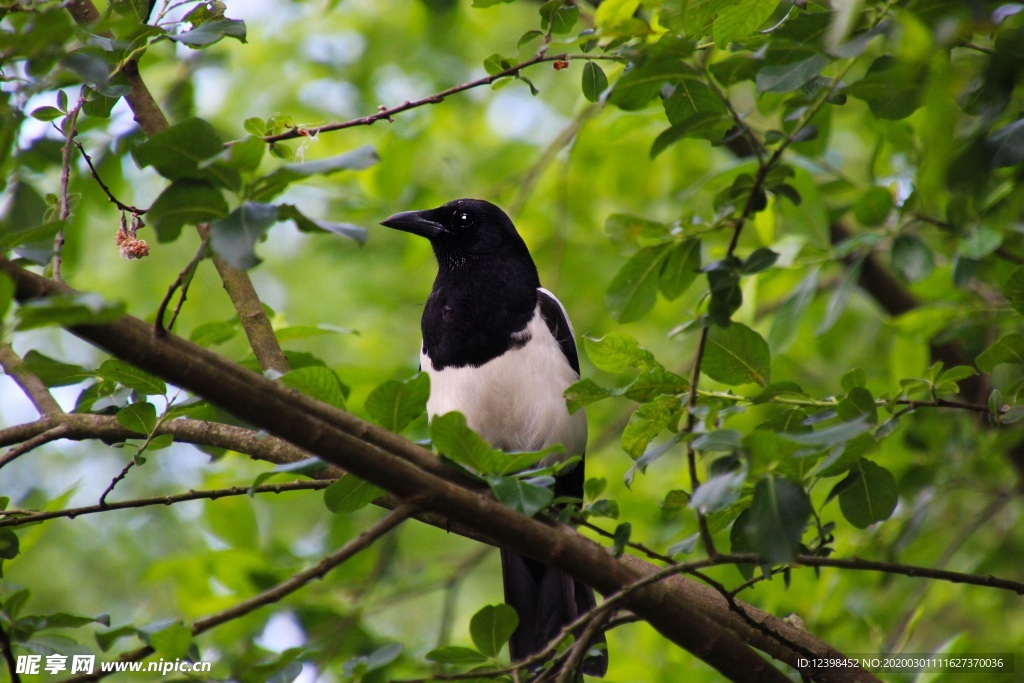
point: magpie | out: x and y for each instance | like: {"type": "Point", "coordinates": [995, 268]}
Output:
{"type": "Point", "coordinates": [499, 348]}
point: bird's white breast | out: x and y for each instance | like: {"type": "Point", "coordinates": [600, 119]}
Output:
{"type": "Point", "coordinates": [514, 401]}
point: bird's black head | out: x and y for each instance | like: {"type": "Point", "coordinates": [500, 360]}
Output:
{"type": "Point", "coordinates": [465, 232]}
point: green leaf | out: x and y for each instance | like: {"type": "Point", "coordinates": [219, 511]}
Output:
{"type": "Point", "coordinates": [858, 404]}
{"type": "Point", "coordinates": [594, 487]}
{"type": "Point", "coordinates": [273, 184]}
{"type": "Point", "coordinates": [649, 420]}
{"type": "Point", "coordinates": [185, 202]}
{"type": "Point", "coordinates": [868, 494]}
{"type": "Point", "coordinates": [216, 332]}
{"type": "Point", "coordinates": [777, 518]}
{"type": "Point", "coordinates": [912, 258]}
{"type": "Point", "coordinates": [130, 376]}
{"type": "Point", "coordinates": [67, 310]}
{"type": "Point", "coordinates": [234, 237]}
{"type": "Point", "coordinates": [520, 495]}
{"type": "Point", "coordinates": [138, 417]}
{"type": "Point", "coordinates": [786, 325]}
{"type": "Point", "coordinates": [211, 32]}
{"type": "Point", "coordinates": [740, 18]}
{"type": "Point", "coordinates": [978, 242]}
{"type": "Point", "coordinates": [454, 654]}
{"type": "Point", "coordinates": [789, 76]}
{"type": "Point", "coordinates": [719, 491]}
{"type": "Point", "coordinates": [840, 298]}
{"type": "Point", "coordinates": [46, 113]}
{"type": "Point", "coordinates": [584, 392]}
{"type": "Point", "coordinates": [6, 295]}
{"type": "Point", "coordinates": [617, 352]}
{"type": "Point", "coordinates": [726, 295]}
{"type": "Point", "coordinates": [873, 207]}
{"type": "Point", "coordinates": [54, 373]}
{"type": "Point", "coordinates": [9, 545]}
{"type": "Point", "coordinates": [737, 355]}
{"type": "Point", "coordinates": [134, 9]}
{"type": "Point", "coordinates": [1013, 290]}
{"type": "Point", "coordinates": [173, 641]}
{"type": "Point", "coordinates": [642, 83]}
{"type": "Point", "coordinates": [626, 229]}
{"type": "Point", "coordinates": [393, 405]}
{"type": "Point", "coordinates": [307, 224]}
{"type": "Point", "coordinates": [703, 126]}
{"type": "Point", "coordinates": [620, 538]}
{"type": "Point", "coordinates": [317, 382]}
{"type": "Point", "coordinates": [177, 152]}
{"type": "Point", "coordinates": [893, 89]}
{"type": "Point", "coordinates": [653, 383]}
{"type": "Point", "coordinates": [452, 437]}
{"type": "Point", "coordinates": [759, 260]}
{"type": "Point", "coordinates": [1009, 349]}
{"type": "Point", "coordinates": [557, 17]}
{"type": "Point", "coordinates": [634, 289]}
{"type": "Point", "coordinates": [349, 494]}
{"type": "Point", "coordinates": [682, 265]}
{"type": "Point", "coordinates": [1007, 144]}
{"type": "Point", "coordinates": [594, 81]}
{"type": "Point", "coordinates": [491, 628]}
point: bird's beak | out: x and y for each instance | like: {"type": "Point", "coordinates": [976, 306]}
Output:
{"type": "Point", "coordinates": [416, 222]}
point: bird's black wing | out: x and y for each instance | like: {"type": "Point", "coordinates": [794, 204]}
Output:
{"type": "Point", "coordinates": [558, 323]}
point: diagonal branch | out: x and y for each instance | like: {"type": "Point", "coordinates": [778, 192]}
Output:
{"type": "Point", "coordinates": [34, 389]}
{"type": "Point", "coordinates": [407, 471]}
{"type": "Point", "coordinates": [279, 592]}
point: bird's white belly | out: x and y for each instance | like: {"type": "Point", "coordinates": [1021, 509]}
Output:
{"type": "Point", "coordinates": [514, 401]}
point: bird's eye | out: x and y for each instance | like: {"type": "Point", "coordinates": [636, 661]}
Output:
{"type": "Point", "coordinates": [462, 220]}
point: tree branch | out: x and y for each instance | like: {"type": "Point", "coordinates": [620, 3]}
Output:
{"type": "Point", "coordinates": [34, 389]}
{"type": "Point", "coordinates": [407, 471]}
{"type": "Point", "coordinates": [237, 283]}
{"type": "Point", "coordinates": [21, 517]}
{"type": "Point", "coordinates": [387, 112]}
{"type": "Point", "coordinates": [318, 571]}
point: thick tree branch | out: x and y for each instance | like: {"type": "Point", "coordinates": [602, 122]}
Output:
{"type": "Point", "coordinates": [404, 469]}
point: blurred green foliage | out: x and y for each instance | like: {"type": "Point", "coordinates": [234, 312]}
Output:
{"type": "Point", "coordinates": [831, 196]}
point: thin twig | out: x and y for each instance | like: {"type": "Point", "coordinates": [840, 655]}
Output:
{"type": "Point", "coordinates": [69, 130]}
{"type": "Point", "coordinates": [35, 442]}
{"type": "Point", "coordinates": [127, 208]}
{"type": "Point", "coordinates": [22, 517]}
{"type": "Point", "coordinates": [114, 482]}
{"type": "Point", "coordinates": [183, 281]}
{"type": "Point", "coordinates": [34, 389]}
{"type": "Point", "coordinates": [387, 112]}
{"type": "Point", "coordinates": [5, 645]}
{"type": "Point", "coordinates": [283, 589]}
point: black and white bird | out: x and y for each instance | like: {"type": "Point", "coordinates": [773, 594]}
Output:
{"type": "Point", "coordinates": [499, 348]}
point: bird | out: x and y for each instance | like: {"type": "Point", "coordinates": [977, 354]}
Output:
{"type": "Point", "coordinates": [500, 349]}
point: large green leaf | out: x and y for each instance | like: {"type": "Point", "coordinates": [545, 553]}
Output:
{"type": "Point", "coordinates": [777, 519]}
{"type": "Point", "coordinates": [273, 184]}
{"type": "Point", "coordinates": [634, 289]}
{"type": "Point", "coordinates": [892, 88]}
{"type": "Point", "coordinates": [740, 18]}
{"type": "Point", "coordinates": [649, 420]}
{"type": "Point", "coordinates": [185, 202]}
{"type": "Point", "coordinates": [737, 355]}
{"type": "Point", "coordinates": [1013, 290]}
{"type": "Point", "coordinates": [452, 437]}
{"type": "Point", "coordinates": [1009, 349]}
{"type": "Point", "coordinates": [617, 352]}
{"type": "Point", "coordinates": [491, 627]}
{"type": "Point", "coordinates": [317, 382]}
{"type": "Point", "coordinates": [350, 494]}
{"type": "Point", "coordinates": [522, 496]}
{"type": "Point", "coordinates": [393, 405]}
{"type": "Point", "coordinates": [67, 310]}
{"type": "Point", "coordinates": [234, 237]}
{"type": "Point", "coordinates": [868, 494]}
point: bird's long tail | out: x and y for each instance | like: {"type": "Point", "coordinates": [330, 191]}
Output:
{"type": "Point", "coordinates": [546, 600]}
